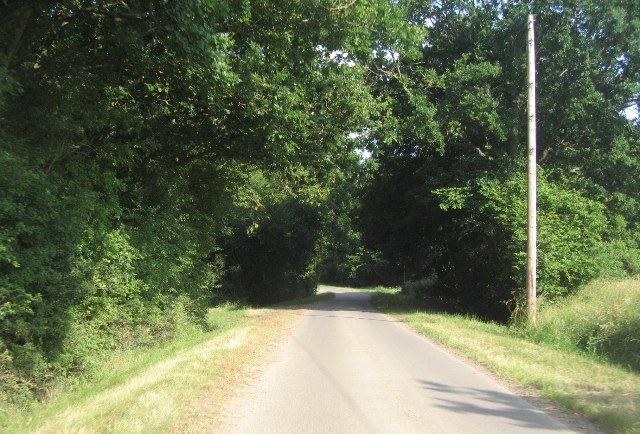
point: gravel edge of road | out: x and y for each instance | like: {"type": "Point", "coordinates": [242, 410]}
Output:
{"type": "Point", "coordinates": [213, 410]}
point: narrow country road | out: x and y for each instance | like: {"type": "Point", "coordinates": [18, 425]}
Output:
{"type": "Point", "coordinates": [350, 369]}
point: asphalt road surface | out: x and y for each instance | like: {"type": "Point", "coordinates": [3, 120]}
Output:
{"type": "Point", "coordinates": [350, 369]}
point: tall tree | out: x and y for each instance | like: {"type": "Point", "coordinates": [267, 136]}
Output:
{"type": "Point", "coordinates": [127, 129]}
{"type": "Point", "coordinates": [447, 199]}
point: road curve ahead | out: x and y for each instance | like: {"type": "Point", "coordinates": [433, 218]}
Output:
{"type": "Point", "coordinates": [350, 369]}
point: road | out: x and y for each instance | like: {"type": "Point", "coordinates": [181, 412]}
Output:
{"type": "Point", "coordinates": [350, 369]}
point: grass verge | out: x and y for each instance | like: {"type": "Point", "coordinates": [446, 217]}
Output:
{"type": "Point", "coordinates": [139, 390]}
{"type": "Point", "coordinates": [178, 387]}
{"type": "Point", "coordinates": [602, 319]}
{"type": "Point", "coordinates": [605, 393]}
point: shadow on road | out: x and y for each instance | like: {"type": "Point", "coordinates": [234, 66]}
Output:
{"type": "Point", "coordinates": [498, 404]}
{"type": "Point", "coordinates": [346, 302]}
{"type": "Point", "coordinates": [342, 304]}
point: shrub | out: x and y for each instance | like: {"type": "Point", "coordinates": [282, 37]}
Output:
{"type": "Point", "coordinates": [422, 289]}
{"type": "Point", "coordinates": [483, 263]}
{"type": "Point", "coordinates": [77, 282]}
{"type": "Point", "coordinates": [570, 227]}
{"type": "Point", "coordinates": [617, 259]}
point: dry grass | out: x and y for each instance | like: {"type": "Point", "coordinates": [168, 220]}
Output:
{"type": "Point", "coordinates": [165, 390]}
{"type": "Point", "coordinates": [235, 369]}
{"type": "Point", "coordinates": [148, 400]}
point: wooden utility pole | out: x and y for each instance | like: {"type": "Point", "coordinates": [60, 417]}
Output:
{"type": "Point", "coordinates": [532, 236]}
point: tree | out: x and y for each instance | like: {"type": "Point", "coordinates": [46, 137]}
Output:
{"type": "Point", "coordinates": [457, 125]}
{"type": "Point", "coordinates": [127, 131]}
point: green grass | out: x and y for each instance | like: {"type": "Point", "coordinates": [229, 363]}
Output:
{"type": "Point", "coordinates": [142, 390]}
{"type": "Point", "coordinates": [602, 319]}
{"type": "Point", "coordinates": [146, 390]}
{"type": "Point", "coordinates": [139, 390]}
{"type": "Point", "coordinates": [604, 392]}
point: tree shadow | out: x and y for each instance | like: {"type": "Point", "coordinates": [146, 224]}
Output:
{"type": "Point", "coordinates": [492, 403]}
{"type": "Point", "coordinates": [344, 302]}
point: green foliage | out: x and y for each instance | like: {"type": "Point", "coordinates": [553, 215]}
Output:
{"type": "Point", "coordinates": [149, 149]}
{"type": "Point", "coordinates": [127, 130]}
{"type": "Point", "coordinates": [617, 259]}
{"type": "Point", "coordinates": [344, 259]}
{"type": "Point", "coordinates": [601, 319]}
{"type": "Point", "coordinates": [448, 197]}
{"type": "Point", "coordinates": [43, 218]}
{"type": "Point", "coordinates": [570, 229]}
{"type": "Point", "coordinates": [481, 266]}
{"type": "Point", "coordinates": [424, 291]}
{"type": "Point", "coordinates": [274, 258]}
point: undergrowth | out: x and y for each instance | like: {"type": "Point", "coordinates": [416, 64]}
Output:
{"type": "Point", "coordinates": [60, 405]}
{"type": "Point", "coordinates": [602, 319]}
{"type": "Point", "coordinates": [26, 411]}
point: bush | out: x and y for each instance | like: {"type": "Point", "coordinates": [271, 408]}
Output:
{"type": "Point", "coordinates": [76, 282]}
{"type": "Point", "coordinates": [42, 219]}
{"type": "Point", "coordinates": [570, 227]}
{"type": "Point", "coordinates": [422, 289]}
{"type": "Point", "coordinates": [483, 263]}
{"type": "Point", "coordinates": [617, 259]}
